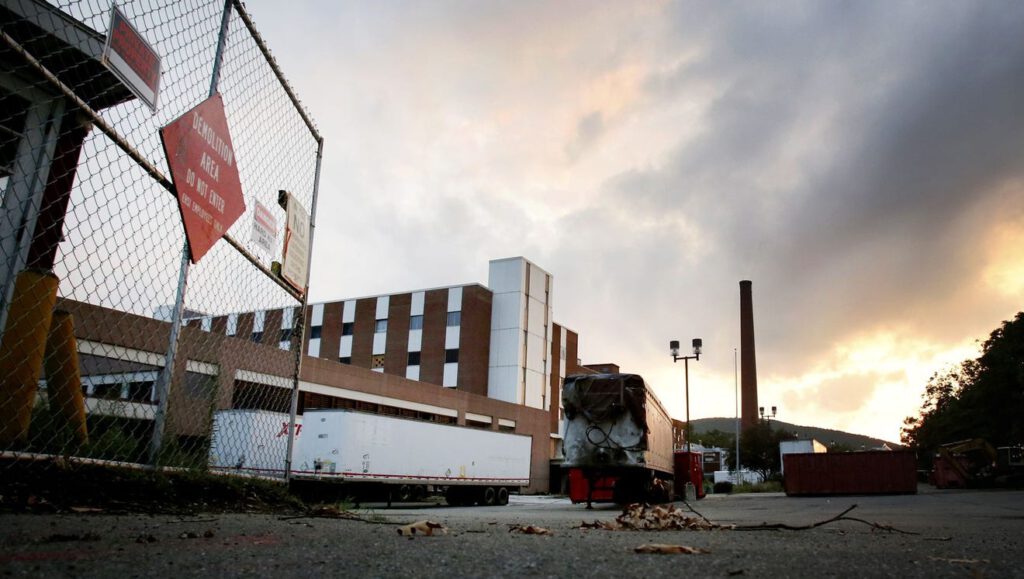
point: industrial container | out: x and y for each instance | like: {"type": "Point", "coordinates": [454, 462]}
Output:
{"type": "Point", "coordinates": [851, 473]}
{"type": "Point", "coordinates": [615, 427]}
{"type": "Point", "coordinates": [474, 465]}
{"type": "Point", "coordinates": [694, 474]}
{"type": "Point", "coordinates": [251, 441]}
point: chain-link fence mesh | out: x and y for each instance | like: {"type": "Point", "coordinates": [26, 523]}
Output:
{"type": "Point", "coordinates": [92, 242]}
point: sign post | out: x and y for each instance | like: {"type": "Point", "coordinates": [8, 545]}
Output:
{"type": "Point", "coordinates": [206, 183]}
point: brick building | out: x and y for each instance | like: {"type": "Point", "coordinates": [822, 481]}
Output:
{"type": "Point", "coordinates": [497, 341]}
{"type": "Point", "coordinates": [473, 355]}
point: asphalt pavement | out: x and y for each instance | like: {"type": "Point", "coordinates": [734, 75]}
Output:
{"type": "Point", "coordinates": [930, 534]}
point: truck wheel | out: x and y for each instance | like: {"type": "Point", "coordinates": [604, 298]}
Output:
{"type": "Point", "coordinates": [419, 492]}
{"type": "Point", "coordinates": [502, 496]}
{"type": "Point", "coordinates": [404, 493]}
{"type": "Point", "coordinates": [488, 497]}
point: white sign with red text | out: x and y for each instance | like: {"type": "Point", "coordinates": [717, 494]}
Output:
{"type": "Point", "coordinates": [264, 228]}
{"type": "Point", "coordinates": [295, 261]}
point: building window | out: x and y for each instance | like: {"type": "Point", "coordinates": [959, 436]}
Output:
{"type": "Point", "coordinates": [345, 359]}
{"type": "Point", "coordinates": [111, 391]}
{"type": "Point", "coordinates": [286, 335]}
{"type": "Point", "coordinates": [346, 328]}
{"type": "Point", "coordinates": [414, 358]}
{"type": "Point", "coordinates": [377, 361]}
{"type": "Point", "coordinates": [141, 392]}
{"type": "Point", "coordinates": [454, 319]}
{"type": "Point", "coordinates": [314, 332]}
{"type": "Point", "coordinates": [257, 337]}
{"type": "Point", "coordinates": [416, 323]}
{"type": "Point", "coordinates": [451, 356]}
{"type": "Point", "coordinates": [381, 326]}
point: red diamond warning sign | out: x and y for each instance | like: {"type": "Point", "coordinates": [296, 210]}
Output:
{"type": "Point", "coordinates": [202, 162]}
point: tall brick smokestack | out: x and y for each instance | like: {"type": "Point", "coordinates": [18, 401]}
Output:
{"type": "Point", "coordinates": [748, 364]}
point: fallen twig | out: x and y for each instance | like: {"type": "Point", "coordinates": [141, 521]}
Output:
{"type": "Point", "coordinates": [785, 527]}
{"type": "Point", "coordinates": [336, 513]}
{"type": "Point", "coordinates": [194, 521]}
{"type": "Point", "coordinates": [840, 517]}
{"type": "Point", "coordinates": [694, 511]}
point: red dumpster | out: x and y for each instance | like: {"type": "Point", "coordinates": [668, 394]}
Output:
{"type": "Point", "coordinates": [851, 473]}
{"type": "Point", "coordinates": [693, 474]}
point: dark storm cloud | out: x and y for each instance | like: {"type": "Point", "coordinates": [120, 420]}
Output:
{"type": "Point", "coordinates": [903, 122]}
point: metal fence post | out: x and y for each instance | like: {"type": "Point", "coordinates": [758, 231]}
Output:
{"type": "Point", "coordinates": [163, 385]}
{"type": "Point", "coordinates": [302, 316]}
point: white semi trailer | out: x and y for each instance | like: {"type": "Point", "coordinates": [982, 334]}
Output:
{"type": "Point", "coordinates": [252, 442]}
{"type": "Point", "coordinates": [471, 465]}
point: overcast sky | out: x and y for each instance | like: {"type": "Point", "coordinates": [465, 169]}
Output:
{"type": "Point", "coordinates": [860, 162]}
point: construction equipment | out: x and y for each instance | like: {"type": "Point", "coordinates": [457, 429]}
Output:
{"type": "Point", "coordinates": [965, 463]}
{"type": "Point", "coordinates": [1010, 470]}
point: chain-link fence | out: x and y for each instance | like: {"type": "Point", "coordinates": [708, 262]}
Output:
{"type": "Point", "coordinates": [116, 346]}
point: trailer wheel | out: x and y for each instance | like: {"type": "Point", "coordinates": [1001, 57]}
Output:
{"type": "Point", "coordinates": [488, 497]}
{"type": "Point", "coordinates": [502, 496]}
{"type": "Point", "coordinates": [404, 493]}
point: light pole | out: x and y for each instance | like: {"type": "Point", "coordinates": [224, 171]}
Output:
{"type": "Point", "coordinates": [674, 347]}
{"type": "Point", "coordinates": [768, 417]}
{"type": "Point", "coordinates": [736, 386]}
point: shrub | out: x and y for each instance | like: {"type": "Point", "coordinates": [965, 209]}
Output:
{"type": "Point", "coordinates": [763, 487]}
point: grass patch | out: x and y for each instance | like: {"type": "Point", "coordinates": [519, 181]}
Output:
{"type": "Point", "coordinates": [762, 487]}
{"type": "Point", "coordinates": [57, 486]}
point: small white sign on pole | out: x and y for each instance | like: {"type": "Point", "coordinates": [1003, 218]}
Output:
{"type": "Point", "coordinates": [295, 261]}
{"type": "Point", "coordinates": [132, 59]}
{"type": "Point", "coordinates": [264, 228]}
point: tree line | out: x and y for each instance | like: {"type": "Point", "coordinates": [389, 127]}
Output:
{"type": "Point", "coordinates": [980, 398]}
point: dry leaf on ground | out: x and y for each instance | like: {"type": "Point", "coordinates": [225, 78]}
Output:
{"type": "Point", "coordinates": [529, 530]}
{"type": "Point", "coordinates": [422, 527]}
{"type": "Point", "coordinates": [663, 549]}
{"type": "Point", "coordinates": [641, 517]}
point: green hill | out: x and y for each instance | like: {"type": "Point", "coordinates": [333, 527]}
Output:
{"type": "Point", "coordinates": [825, 436]}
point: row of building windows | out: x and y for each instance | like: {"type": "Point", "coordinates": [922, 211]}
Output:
{"type": "Point", "coordinates": [347, 328]}
{"type": "Point", "coordinates": [286, 337]}
{"type": "Point", "coordinates": [381, 326]}
{"type": "Point", "coordinates": [415, 323]}
{"type": "Point", "coordinates": [377, 361]}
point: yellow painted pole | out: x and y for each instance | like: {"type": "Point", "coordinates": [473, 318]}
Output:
{"type": "Point", "coordinates": [63, 381]}
{"type": "Point", "coordinates": [22, 349]}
